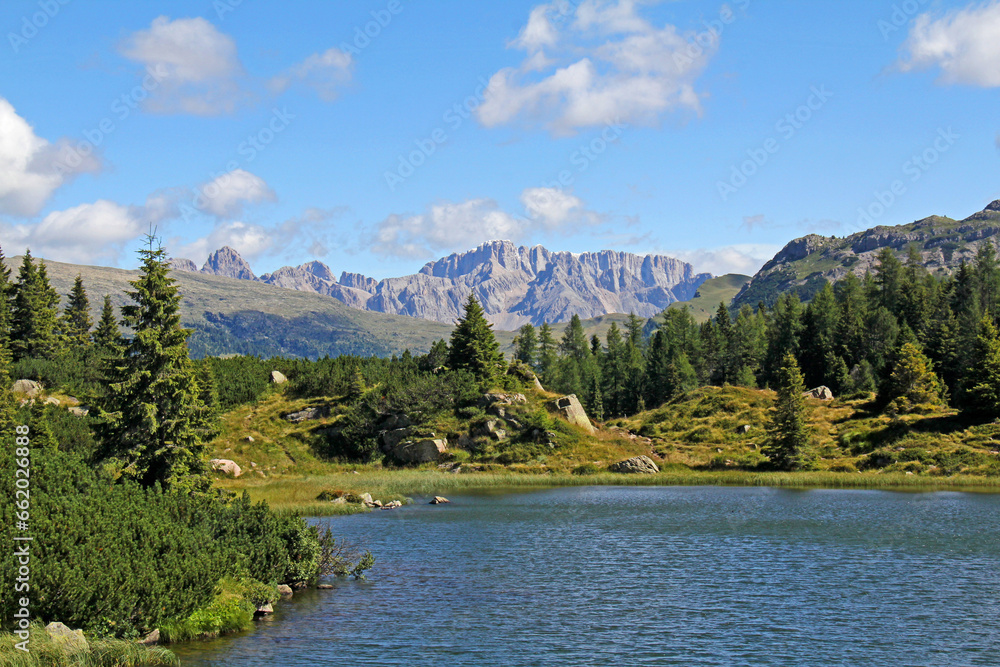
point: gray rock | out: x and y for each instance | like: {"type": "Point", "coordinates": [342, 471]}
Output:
{"type": "Point", "coordinates": [366, 498]}
{"type": "Point", "coordinates": [152, 638]}
{"type": "Point", "coordinates": [636, 465]}
{"type": "Point", "coordinates": [248, 438]}
{"type": "Point", "coordinates": [324, 587]}
{"type": "Point", "coordinates": [439, 500]}
{"type": "Point", "coordinates": [51, 400]}
{"type": "Point", "coordinates": [422, 451]}
{"type": "Point", "coordinates": [285, 591]}
{"type": "Point", "coordinates": [744, 429]}
{"type": "Point", "coordinates": [227, 262]}
{"type": "Point", "coordinates": [502, 399]}
{"type": "Point", "coordinates": [499, 435]}
{"type": "Point", "coordinates": [265, 609]}
{"type": "Point", "coordinates": [79, 411]}
{"type": "Point", "coordinates": [72, 639]}
{"type": "Point", "coordinates": [391, 439]}
{"type": "Point", "coordinates": [29, 388]}
{"type": "Point", "coordinates": [823, 393]}
{"type": "Point", "coordinates": [182, 264]}
{"type": "Point", "coordinates": [572, 411]}
{"type": "Point", "coordinates": [277, 377]}
{"type": "Point", "coordinates": [394, 422]}
{"type": "Point", "coordinates": [226, 466]}
{"type": "Point", "coordinates": [318, 412]}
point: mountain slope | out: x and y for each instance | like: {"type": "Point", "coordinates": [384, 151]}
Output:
{"type": "Point", "coordinates": [515, 284]}
{"type": "Point", "coordinates": [804, 264]}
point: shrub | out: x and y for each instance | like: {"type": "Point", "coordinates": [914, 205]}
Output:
{"type": "Point", "coordinates": [586, 469]}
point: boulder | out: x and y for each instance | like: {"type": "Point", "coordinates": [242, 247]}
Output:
{"type": "Point", "coordinates": [499, 435]}
{"type": "Point", "coordinates": [439, 500]}
{"type": "Point", "coordinates": [394, 422]}
{"type": "Point", "coordinates": [573, 412]}
{"type": "Point", "coordinates": [391, 439]}
{"type": "Point", "coordinates": [51, 400]}
{"type": "Point", "coordinates": [265, 609]}
{"type": "Point", "coordinates": [742, 430]}
{"type": "Point", "coordinates": [71, 639]}
{"type": "Point", "coordinates": [29, 388]}
{"type": "Point", "coordinates": [317, 412]}
{"type": "Point", "coordinates": [324, 587]}
{"type": "Point", "coordinates": [79, 412]}
{"type": "Point", "coordinates": [366, 498]}
{"type": "Point", "coordinates": [636, 465]}
{"type": "Point", "coordinates": [152, 638]}
{"type": "Point", "coordinates": [248, 438]}
{"type": "Point", "coordinates": [226, 466]}
{"type": "Point", "coordinates": [497, 398]}
{"type": "Point", "coordinates": [421, 451]}
{"type": "Point", "coordinates": [285, 591]}
{"type": "Point", "coordinates": [277, 377]}
{"type": "Point", "coordinates": [487, 428]}
{"type": "Point", "coordinates": [822, 393]}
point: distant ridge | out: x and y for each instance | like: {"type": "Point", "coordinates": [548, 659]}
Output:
{"type": "Point", "coordinates": [515, 284]}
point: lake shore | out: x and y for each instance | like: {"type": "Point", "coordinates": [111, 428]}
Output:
{"type": "Point", "coordinates": [299, 493]}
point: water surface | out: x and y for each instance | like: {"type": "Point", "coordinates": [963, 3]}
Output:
{"type": "Point", "coordinates": [653, 576]}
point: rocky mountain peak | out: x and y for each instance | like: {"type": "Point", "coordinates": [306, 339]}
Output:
{"type": "Point", "coordinates": [182, 264]}
{"type": "Point", "coordinates": [227, 262]}
{"type": "Point", "coordinates": [995, 206]}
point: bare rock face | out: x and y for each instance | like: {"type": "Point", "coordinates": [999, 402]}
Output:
{"type": "Point", "coordinates": [227, 262]}
{"type": "Point", "coordinates": [571, 410]}
{"type": "Point", "coordinates": [181, 264]}
{"type": "Point", "coordinates": [642, 465]}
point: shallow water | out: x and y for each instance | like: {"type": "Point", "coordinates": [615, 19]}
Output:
{"type": "Point", "coordinates": [653, 576]}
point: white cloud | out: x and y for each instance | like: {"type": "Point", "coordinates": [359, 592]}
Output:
{"type": "Point", "coordinates": [964, 44]}
{"type": "Point", "coordinates": [457, 226]}
{"type": "Point", "coordinates": [324, 72]}
{"type": "Point", "coordinates": [226, 195]}
{"type": "Point", "coordinates": [200, 64]}
{"type": "Point", "coordinates": [31, 168]}
{"type": "Point", "coordinates": [630, 70]}
{"type": "Point", "coordinates": [744, 258]}
{"type": "Point", "coordinates": [84, 234]}
{"type": "Point", "coordinates": [250, 241]}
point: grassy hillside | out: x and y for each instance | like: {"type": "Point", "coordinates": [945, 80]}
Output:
{"type": "Point", "coordinates": [711, 293]}
{"type": "Point", "coordinates": [238, 316]}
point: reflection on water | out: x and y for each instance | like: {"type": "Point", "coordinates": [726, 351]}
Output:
{"type": "Point", "coordinates": [657, 576]}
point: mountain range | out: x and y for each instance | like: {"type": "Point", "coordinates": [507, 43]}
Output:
{"type": "Point", "coordinates": [515, 284]}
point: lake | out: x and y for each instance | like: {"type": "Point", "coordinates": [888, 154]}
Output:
{"type": "Point", "coordinates": [653, 576]}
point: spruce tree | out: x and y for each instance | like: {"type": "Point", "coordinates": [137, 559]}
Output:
{"type": "Point", "coordinates": [526, 344]}
{"type": "Point", "coordinates": [983, 396]}
{"type": "Point", "coordinates": [107, 336]}
{"type": "Point", "coordinates": [614, 371]}
{"type": "Point", "coordinates": [151, 418]}
{"type": "Point", "coordinates": [76, 323]}
{"type": "Point", "coordinates": [786, 434]}
{"type": "Point", "coordinates": [912, 382]}
{"type": "Point", "coordinates": [33, 331]}
{"type": "Point", "coordinates": [547, 354]}
{"type": "Point", "coordinates": [474, 347]}
{"type": "Point", "coordinates": [6, 298]}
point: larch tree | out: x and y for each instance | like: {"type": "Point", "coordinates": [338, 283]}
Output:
{"type": "Point", "coordinates": [151, 418]}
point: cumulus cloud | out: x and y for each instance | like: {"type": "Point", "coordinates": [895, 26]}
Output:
{"type": "Point", "coordinates": [200, 63]}
{"type": "Point", "coordinates": [744, 258]}
{"type": "Point", "coordinates": [84, 234]}
{"type": "Point", "coordinates": [226, 195]}
{"type": "Point", "coordinates": [964, 44]}
{"type": "Point", "coordinates": [31, 168]}
{"type": "Point", "coordinates": [606, 64]}
{"type": "Point", "coordinates": [452, 226]}
{"type": "Point", "coordinates": [324, 72]}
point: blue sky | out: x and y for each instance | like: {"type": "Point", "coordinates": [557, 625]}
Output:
{"type": "Point", "coordinates": [377, 135]}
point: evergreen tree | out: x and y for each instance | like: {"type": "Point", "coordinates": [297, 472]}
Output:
{"type": "Point", "coordinates": [526, 345]}
{"type": "Point", "coordinates": [786, 434]}
{"type": "Point", "coordinates": [151, 417]}
{"type": "Point", "coordinates": [6, 299]}
{"type": "Point", "coordinates": [635, 365]}
{"type": "Point", "coordinates": [784, 333]}
{"type": "Point", "coordinates": [614, 371]}
{"type": "Point", "coordinates": [983, 396]}
{"type": "Point", "coordinates": [76, 323]}
{"type": "Point", "coordinates": [912, 382]}
{"type": "Point", "coordinates": [889, 280]}
{"type": "Point", "coordinates": [819, 336]}
{"type": "Point", "coordinates": [436, 357]}
{"type": "Point", "coordinates": [657, 383]}
{"type": "Point", "coordinates": [547, 354]}
{"type": "Point", "coordinates": [33, 333]}
{"type": "Point", "coordinates": [987, 278]}
{"type": "Point", "coordinates": [474, 347]}
{"type": "Point", "coordinates": [747, 342]}
{"type": "Point", "coordinates": [107, 336]}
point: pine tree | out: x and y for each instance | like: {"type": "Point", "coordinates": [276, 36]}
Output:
{"type": "Point", "coordinates": [526, 344]}
{"type": "Point", "coordinates": [474, 347]}
{"type": "Point", "coordinates": [33, 332]}
{"type": "Point", "coordinates": [986, 271]}
{"type": "Point", "coordinates": [6, 298]}
{"type": "Point", "coordinates": [912, 382]}
{"type": "Point", "coordinates": [107, 336]}
{"type": "Point", "coordinates": [151, 418]}
{"type": "Point", "coordinates": [983, 396]}
{"type": "Point", "coordinates": [547, 354]}
{"type": "Point", "coordinates": [614, 371]}
{"type": "Point", "coordinates": [786, 434]}
{"type": "Point", "coordinates": [76, 323]}
{"type": "Point", "coordinates": [635, 364]}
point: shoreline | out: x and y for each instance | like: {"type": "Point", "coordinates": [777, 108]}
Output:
{"type": "Point", "coordinates": [298, 493]}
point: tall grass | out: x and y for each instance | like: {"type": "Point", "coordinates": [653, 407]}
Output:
{"type": "Point", "coordinates": [44, 652]}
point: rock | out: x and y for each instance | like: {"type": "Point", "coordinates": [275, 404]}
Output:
{"type": "Point", "coordinates": [285, 591]}
{"type": "Point", "coordinates": [51, 400]}
{"type": "Point", "coordinates": [538, 384]}
{"type": "Point", "coordinates": [487, 428]}
{"type": "Point", "coordinates": [376, 503]}
{"type": "Point", "coordinates": [277, 377]}
{"type": "Point", "coordinates": [182, 264]}
{"type": "Point", "coordinates": [392, 505]}
{"type": "Point", "coordinates": [422, 451]}
{"type": "Point", "coordinates": [497, 411]}
{"type": "Point", "coordinates": [741, 430]}
{"type": "Point", "coordinates": [152, 638]}
{"type": "Point", "coordinates": [391, 439]}
{"type": "Point", "coordinates": [29, 388]}
{"type": "Point", "coordinates": [71, 639]}
{"type": "Point", "coordinates": [226, 466]}
{"type": "Point", "coordinates": [324, 587]}
{"type": "Point", "coordinates": [497, 398]}
{"type": "Point", "coordinates": [227, 262]}
{"type": "Point", "coordinates": [394, 422]}
{"type": "Point", "coordinates": [573, 412]}
{"type": "Point", "coordinates": [499, 435]}
{"type": "Point", "coordinates": [317, 412]}
{"type": "Point", "coordinates": [439, 500]}
{"type": "Point", "coordinates": [79, 412]}
{"type": "Point", "coordinates": [265, 609]}
{"type": "Point", "coordinates": [366, 498]}
{"type": "Point", "coordinates": [636, 465]}
{"type": "Point", "coordinates": [822, 393]}
{"type": "Point", "coordinates": [72, 400]}
{"type": "Point", "coordinates": [249, 438]}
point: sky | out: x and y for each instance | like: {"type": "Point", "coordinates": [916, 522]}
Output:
{"type": "Point", "coordinates": [378, 135]}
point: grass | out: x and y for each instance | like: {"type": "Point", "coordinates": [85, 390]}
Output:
{"type": "Point", "coordinates": [710, 294]}
{"type": "Point", "coordinates": [230, 611]}
{"type": "Point", "coordinates": [44, 652]}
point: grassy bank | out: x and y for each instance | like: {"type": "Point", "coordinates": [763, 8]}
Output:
{"type": "Point", "coordinates": [44, 652]}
